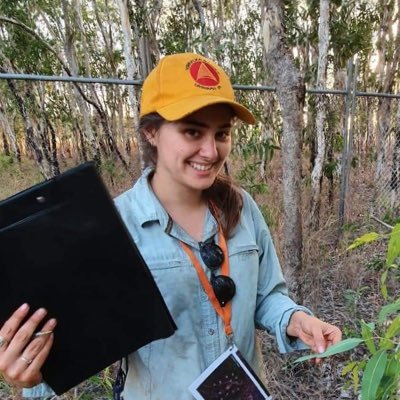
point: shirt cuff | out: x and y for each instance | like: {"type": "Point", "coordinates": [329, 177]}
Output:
{"type": "Point", "coordinates": [285, 343]}
{"type": "Point", "coordinates": [42, 391]}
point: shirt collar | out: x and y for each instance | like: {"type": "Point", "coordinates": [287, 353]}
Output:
{"type": "Point", "coordinates": [149, 207]}
{"type": "Point", "coordinates": [151, 210]}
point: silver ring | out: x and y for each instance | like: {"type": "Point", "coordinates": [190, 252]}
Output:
{"type": "Point", "coordinates": [26, 360]}
{"type": "Point", "coordinates": [3, 341]}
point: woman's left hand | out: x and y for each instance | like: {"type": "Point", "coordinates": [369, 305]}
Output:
{"type": "Point", "coordinates": [317, 334]}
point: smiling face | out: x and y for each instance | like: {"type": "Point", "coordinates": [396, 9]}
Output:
{"type": "Point", "coordinates": [192, 151]}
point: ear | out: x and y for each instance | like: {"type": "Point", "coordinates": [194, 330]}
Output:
{"type": "Point", "coordinates": [150, 134]}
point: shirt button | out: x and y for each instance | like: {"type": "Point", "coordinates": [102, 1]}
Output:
{"type": "Point", "coordinates": [211, 331]}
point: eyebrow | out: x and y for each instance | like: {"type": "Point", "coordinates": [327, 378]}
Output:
{"type": "Point", "coordinates": [203, 124]}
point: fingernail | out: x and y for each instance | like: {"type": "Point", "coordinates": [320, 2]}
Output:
{"type": "Point", "coordinates": [24, 307]}
{"type": "Point", "coordinates": [41, 312]}
{"type": "Point", "coordinates": [52, 323]}
{"type": "Point", "coordinates": [320, 349]}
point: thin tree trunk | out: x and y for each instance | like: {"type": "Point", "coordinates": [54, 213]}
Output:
{"type": "Point", "coordinates": [69, 50]}
{"type": "Point", "coordinates": [6, 148]}
{"type": "Point", "coordinates": [395, 174]}
{"type": "Point", "coordinates": [290, 92]}
{"type": "Point", "coordinates": [131, 69]}
{"type": "Point", "coordinates": [199, 8]}
{"type": "Point", "coordinates": [316, 175]}
{"type": "Point", "coordinates": [388, 77]}
{"type": "Point", "coordinates": [9, 132]}
{"type": "Point", "coordinates": [33, 143]}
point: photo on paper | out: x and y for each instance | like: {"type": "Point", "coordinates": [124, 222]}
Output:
{"type": "Point", "coordinates": [229, 377]}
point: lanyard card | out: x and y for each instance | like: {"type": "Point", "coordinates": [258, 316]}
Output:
{"type": "Point", "coordinates": [229, 377]}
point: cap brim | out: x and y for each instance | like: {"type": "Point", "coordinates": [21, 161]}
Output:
{"type": "Point", "coordinates": [187, 106]}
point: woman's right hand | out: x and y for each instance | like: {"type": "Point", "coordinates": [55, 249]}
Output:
{"type": "Point", "coordinates": [22, 355]}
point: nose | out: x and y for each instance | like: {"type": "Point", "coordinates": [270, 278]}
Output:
{"type": "Point", "coordinates": [209, 147]}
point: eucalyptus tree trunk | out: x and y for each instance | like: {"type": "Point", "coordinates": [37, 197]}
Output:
{"type": "Point", "coordinates": [131, 69]}
{"type": "Point", "coordinates": [33, 141]}
{"type": "Point", "coordinates": [70, 54]}
{"type": "Point", "coordinates": [290, 91]}
{"type": "Point", "coordinates": [106, 30]}
{"type": "Point", "coordinates": [394, 181]}
{"type": "Point", "coordinates": [99, 107]}
{"type": "Point", "coordinates": [316, 174]}
{"type": "Point", "coordinates": [46, 129]}
{"type": "Point", "coordinates": [144, 27]}
{"type": "Point", "coordinates": [387, 69]}
{"type": "Point", "coordinates": [216, 12]}
{"type": "Point", "coordinates": [204, 46]}
{"type": "Point", "coordinates": [395, 173]}
{"type": "Point", "coordinates": [9, 133]}
{"type": "Point", "coordinates": [6, 148]}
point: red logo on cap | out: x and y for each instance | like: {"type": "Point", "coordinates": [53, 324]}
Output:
{"type": "Point", "coordinates": [204, 74]}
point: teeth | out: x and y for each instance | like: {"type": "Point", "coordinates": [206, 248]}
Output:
{"type": "Point", "coordinates": [200, 167]}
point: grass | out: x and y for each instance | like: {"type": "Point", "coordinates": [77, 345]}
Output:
{"type": "Point", "coordinates": [15, 177]}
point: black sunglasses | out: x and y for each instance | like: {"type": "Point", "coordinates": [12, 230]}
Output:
{"type": "Point", "coordinates": [213, 257]}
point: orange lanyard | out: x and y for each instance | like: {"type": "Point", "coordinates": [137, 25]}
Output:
{"type": "Point", "coordinates": [224, 312]}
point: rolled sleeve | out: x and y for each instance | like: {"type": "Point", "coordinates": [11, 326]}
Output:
{"type": "Point", "coordinates": [284, 342]}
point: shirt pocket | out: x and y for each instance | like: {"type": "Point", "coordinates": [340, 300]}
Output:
{"type": "Point", "coordinates": [177, 282]}
{"type": "Point", "coordinates": [244, 252]}
{"type": "Point", "coordinates": [244, 267]}
{"type": "Point", "coordinates": [166, 264]}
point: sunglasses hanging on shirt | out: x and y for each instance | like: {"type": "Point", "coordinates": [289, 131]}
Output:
{"type": "Point", "coordinates": [212, 255]}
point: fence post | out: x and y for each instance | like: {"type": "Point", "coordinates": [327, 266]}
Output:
{"type": "Point", "coordinates": [347, 138]}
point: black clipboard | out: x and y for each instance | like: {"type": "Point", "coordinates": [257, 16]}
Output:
{"type": "Point", "coordinates": [63, 246]}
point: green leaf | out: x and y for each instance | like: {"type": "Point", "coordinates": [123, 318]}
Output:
{"type": "Point", "coordinates": [367, 238]}
{"type": "Point", "coordinates": [349, 367]}
{"type": "Point", "coordinates": [393, 367]}
{"type": "Point", "coordinates": [366, 333]}
{"type": "Point", "coordinates": [356, 379]}
{"type": "Point", "coordinates": [388, 309]}
{"type": "Point", "coordinates": [340, 347]}
{"type": "Point", "coordinates": [383, 286]}
{"type": "Point", "coordinates": [394, 328]}
{"type": "Point", "coordinates": [394, 245]}
{"type": "Point", "coordinates": [373, 374]}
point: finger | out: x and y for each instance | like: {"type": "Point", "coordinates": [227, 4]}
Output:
{"type": "Point", "coordinates": [40, 358]}
{"type": "Point", "coordinates": [336, 335]}
{"type": "Point", "coordinates": [26, 369]}
{"type": "Point", "coordinates": [11, 326]}
{"type": "Point", "coordinates": [32, 374]}
{"type": "Point", "coordinates": [37, 344]}
{"type": "Point", "coordinates": [23, 335]}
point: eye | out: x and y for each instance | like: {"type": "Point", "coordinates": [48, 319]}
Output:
{"type": "Point", "coordinates": [194, 133]}
{"type": "Point", "coordinates": [223, 136]}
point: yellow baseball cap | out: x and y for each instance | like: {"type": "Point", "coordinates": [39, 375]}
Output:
{"type": "Point", "coordinates": [183, 83]}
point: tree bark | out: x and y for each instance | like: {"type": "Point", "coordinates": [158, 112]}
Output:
{"type": "Point", "coordinates": [316, 174]}
{"type": "Point", "coordinates": [204, 34]}
{"type": "Point", "coordinates": [387, 73]}
{"type": "Point", "coordinates": [70, 54]}
{"type": "Point", "coordinates": [9, 132]}
{"type": "Point", "coordinates": [290, 91]}
{"type": "Point", "coordinates": [34, 144]}
{"type": "Point", "coordinates": [131, 69]}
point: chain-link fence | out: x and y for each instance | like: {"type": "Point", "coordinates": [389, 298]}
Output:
{"type": "Point", "coordinates": [387, 191]}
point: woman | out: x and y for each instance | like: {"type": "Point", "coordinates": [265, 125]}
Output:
{"type": "Point", "coordinates": [204, 240]}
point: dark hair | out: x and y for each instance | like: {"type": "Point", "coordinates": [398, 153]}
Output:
{"type": "Point", "coordinates": [223, 193]}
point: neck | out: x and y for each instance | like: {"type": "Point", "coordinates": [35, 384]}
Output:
{"type": "Point", "coordinates": [176, 196]}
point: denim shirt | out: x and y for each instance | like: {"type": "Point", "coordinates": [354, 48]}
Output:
{"type": "Point", "coordinates": [165, 368]}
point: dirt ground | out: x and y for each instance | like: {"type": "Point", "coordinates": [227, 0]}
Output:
{"type": "Point", "coordinates": [340, 287]}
